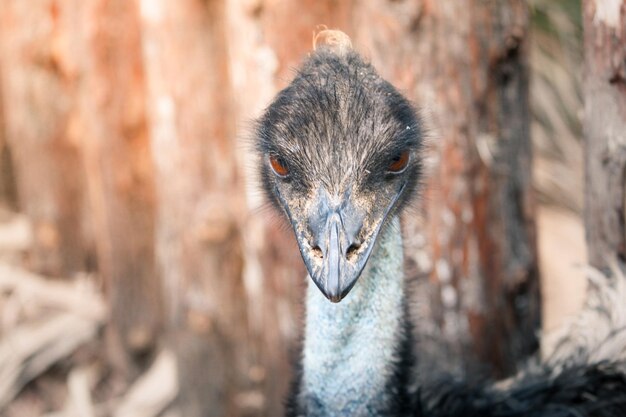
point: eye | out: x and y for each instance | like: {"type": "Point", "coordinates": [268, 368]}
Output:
{"type": "Point", "coordinates": [399, 162]}
{"type": "Point", "coordinates": [278, 166]}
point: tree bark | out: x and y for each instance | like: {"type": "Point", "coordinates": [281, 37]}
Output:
{"type": "Point", "coordinates": [120, 173]}
{"type": "Point", "coordinates": [465, 65]}
{"type": "Point", "coordinates": [605, 130]}
{"type": "Point", "coordinates": [198, 243]}
{"type": "Point", "coordinates": [8, 191]}
{"type": "Point", "coordinates": [38, 82]}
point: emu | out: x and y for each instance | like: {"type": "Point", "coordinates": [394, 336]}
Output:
{"type": "Point", "coordinates": [340, 155]}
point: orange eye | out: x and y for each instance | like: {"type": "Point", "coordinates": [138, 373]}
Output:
{"type": "Point", "coordinates": [278, 166]}
{"type": "Point", "coordinates": [399, 162]}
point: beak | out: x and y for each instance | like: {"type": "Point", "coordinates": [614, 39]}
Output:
{"type": "Point", "coordinates": [338, 248]}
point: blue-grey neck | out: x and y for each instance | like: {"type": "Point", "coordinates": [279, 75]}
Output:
{"type": "Point", "coordinates": [356, 352]}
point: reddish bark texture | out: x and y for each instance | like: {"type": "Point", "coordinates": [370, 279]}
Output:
{"type": "Point", "coordinates": [38, 84]}
{"type": "Point", "coordinates": [605, 130]}
{"type": "Point", "coordinates": [198, 241]}
{"type": "Point", "coordinates": [120, 171]}
{"type": "Point", "coordinates": [79, 136]}
{"type": "Point", "coordinates": [8, 192]}
{"type": "Point", "coordinates": [465, 66]}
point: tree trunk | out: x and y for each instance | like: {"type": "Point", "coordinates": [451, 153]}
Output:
{"type": "Point", "coordinates": [466, 66]}
{"type": "Point", "coordinates": [605, 130]}
{"type": "Point", "coordinates": [120, 173]}
{"type": "Point", "coordinates": [8, 192]}
{"type": "Point", "coordinates": [198, 242]}
{"type": "Point", "coordinates": [38, 81]}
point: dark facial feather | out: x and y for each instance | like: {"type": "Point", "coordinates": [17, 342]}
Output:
{"type": "Point", "coordinates": [339, 123]}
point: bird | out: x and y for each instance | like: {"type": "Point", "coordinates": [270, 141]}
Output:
{"type": "Point", "coordinates": [340, 155]}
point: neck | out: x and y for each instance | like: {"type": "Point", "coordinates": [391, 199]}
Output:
{"type": "Point", "coordinates": [357, 357]}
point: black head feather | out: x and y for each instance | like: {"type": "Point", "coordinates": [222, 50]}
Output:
{"type": "Point", "coordinates": [337, 121]}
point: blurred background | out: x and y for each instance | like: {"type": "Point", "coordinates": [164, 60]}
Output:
{"type": "Point", "coordinates": [141, 273]}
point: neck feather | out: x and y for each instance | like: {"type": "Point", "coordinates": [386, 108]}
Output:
{"type": "Point", "coordinates": [357, 358]}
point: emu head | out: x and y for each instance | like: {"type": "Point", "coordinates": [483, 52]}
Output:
{"type": "Point", "coordinates": [339, 155]}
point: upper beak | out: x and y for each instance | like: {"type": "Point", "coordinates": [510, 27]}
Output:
{"type": "Point", "coordinates": [338, 248]}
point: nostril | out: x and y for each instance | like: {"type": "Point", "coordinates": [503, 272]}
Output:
{"type": "Point", "coordinates": [317, 252]}
{"type": "Point", "coordinates": [352, 250]}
